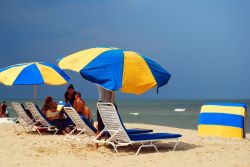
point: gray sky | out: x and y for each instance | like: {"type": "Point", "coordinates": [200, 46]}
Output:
{"type": "Point", "coordinates": [205, 45]}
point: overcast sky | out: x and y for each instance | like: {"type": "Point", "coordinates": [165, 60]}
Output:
{"type": "Point", "coordinates": [205, 45]}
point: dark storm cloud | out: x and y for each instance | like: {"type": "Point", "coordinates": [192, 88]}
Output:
{"type": "Point", "coordinates": [205, 45]}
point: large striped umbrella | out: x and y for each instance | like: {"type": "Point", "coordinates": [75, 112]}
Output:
{"type": "Point", "coordinates": [114, 69]}
{"type": "Point", "coordinates": [34, 73]}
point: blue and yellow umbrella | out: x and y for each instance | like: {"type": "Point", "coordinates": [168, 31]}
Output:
{"type": "Point", "coordinates": [34, 73]}
{"type": "Point", "coordinates": [115, 69]}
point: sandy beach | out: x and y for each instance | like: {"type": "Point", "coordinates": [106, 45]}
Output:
{"type": "Point", "coordinates": [18, 148]}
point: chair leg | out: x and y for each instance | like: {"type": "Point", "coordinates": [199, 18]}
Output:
{"type": "Point", "coordinates": [148, 145]}
{"type": "Point", "coordinates": [139, 149]}
{"type": "Point", "coordinates": [177, 142]}
{"type": "Point", "coordinates": [155, 147]}
{"type": "Point", "coordinates": [114, 146]}
{"type": "Point", "coordinates": [56, 130]}
{"type": "Point", "coordinates": [68, 136]}
{"type": "Point", "coordinates": [31, 127]}
{"type": "Point", "coordinates": [76, 137]}
{"type": "Point", "coordinates": [37, 129]}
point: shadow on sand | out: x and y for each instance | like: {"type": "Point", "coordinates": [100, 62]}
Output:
{"type": "Point", "coordinates": [162, 148]}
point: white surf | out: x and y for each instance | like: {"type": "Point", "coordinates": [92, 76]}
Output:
{"type": "Point", "coordinates": [180, 109]}
{"type": "Point", "coordinates": [134, 113]}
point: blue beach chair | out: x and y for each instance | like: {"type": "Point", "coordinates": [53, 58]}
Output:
{"type": "Point", "coordinates": [39, 118]}
{"type": "Point", "coordinates": [26, 122]}
{"type": "Point", "coordinates": [120, 136]}
{"type": "Point", "coordinates": [81, 125]}
{"type": "Point", "coordinates": [84, 126]}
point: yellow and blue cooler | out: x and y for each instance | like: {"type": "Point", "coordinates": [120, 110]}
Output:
{"type": "Point", "coordinates": [223, 119]}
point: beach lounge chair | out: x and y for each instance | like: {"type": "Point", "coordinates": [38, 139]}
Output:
{"type": "Point", "coordinates": [39, 118]}
{"type": "Point", "coordinates": [119, 136]}
{"type": "Point", "coordinates": [84, 126]}
{"type": "Point", "coordinates": [25, 121]}
{"type": "Point", "coordinates": [81, 125]}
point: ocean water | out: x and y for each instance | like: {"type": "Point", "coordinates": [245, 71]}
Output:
{"type": "Point", "coordinates": [157, 112]}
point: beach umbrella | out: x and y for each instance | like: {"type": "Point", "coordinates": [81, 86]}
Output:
{"type": "Point", "coordinates": [115, 69]}
{"type": "Point", "coordinates": [34, 73]}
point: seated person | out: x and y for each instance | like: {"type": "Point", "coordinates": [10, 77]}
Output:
{"type": "Point", "coordinates": [56, 118]}
{"type": "Point", "coordinates": [45, 108]}
{"type": "Point", "coordinates": [69, 96]}
{"type": "Point", "coordinates": [81, 108]}
{"type": "Point", "coordinates": [45, 105]}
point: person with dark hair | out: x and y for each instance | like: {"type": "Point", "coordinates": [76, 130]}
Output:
{"type": "Point", "coordinates": [81, 107]}
{"type": "Point", "coordinates": [45, 105]}
{"type": "Point", "coordinates": [3, 110]}
{"type": "Point", "coordinates": [4, 106]}
{"type": "Point", "coordinates": [69, 96]}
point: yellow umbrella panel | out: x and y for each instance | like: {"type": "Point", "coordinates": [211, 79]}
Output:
{"type": "Point", "coordinates": [34, 73]}
{"type": "Point", "coordinates": [116, 69]}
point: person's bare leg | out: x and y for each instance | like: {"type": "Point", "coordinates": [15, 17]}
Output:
{"type": "Point", "coordinates": [64, 132]}
{"type": "Point", "coordinates": [96, 144]}
{"type": "Point", "coordinates": [67, 129]}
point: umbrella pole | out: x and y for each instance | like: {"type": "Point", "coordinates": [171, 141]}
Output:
{"type": "Point", "coordinates": [35, 94]}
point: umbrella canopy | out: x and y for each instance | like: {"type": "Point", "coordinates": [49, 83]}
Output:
{"type": "Point", "coordinates": [34, 73]}
{"type": "Point", "coordinates": [114, 69]}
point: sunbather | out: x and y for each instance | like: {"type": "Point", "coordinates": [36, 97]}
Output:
{"type": "Point", "coordinates": [81, 108]}
{"type": "Point", "coordinates": [56, 118]}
